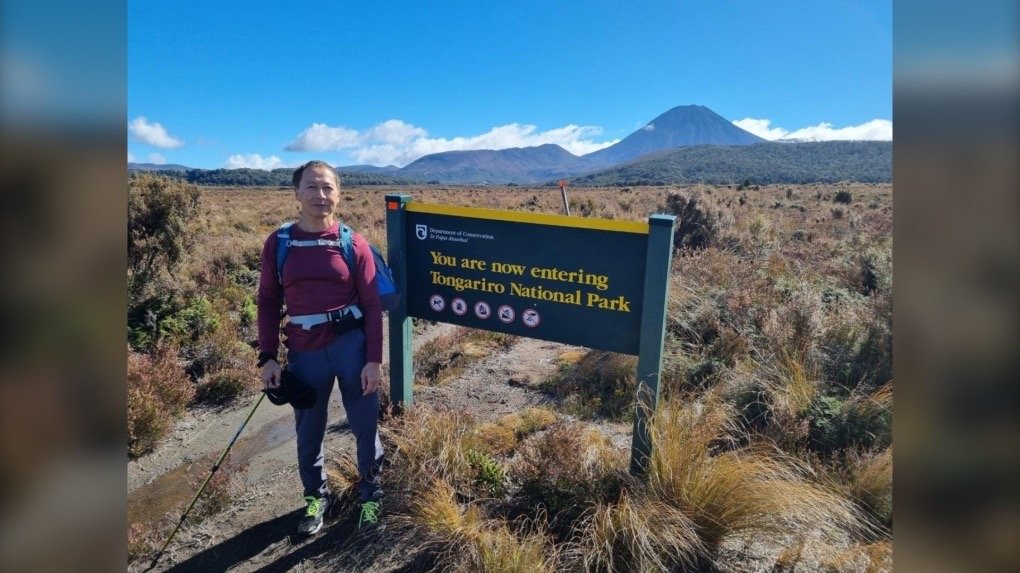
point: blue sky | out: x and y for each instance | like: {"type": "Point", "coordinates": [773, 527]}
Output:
{"type": "Point", "coordinates": [273, 84]}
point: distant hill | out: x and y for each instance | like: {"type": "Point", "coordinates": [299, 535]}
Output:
{"type": "Point", "coordinates": [156, 167]}
{"type": "Point", "coordinates": [681, 126]}
{"type": "Point", "coordinates": [684, 125]}
{"type": "Point", "coordinates": [515, 165]}
{"type": "Point", "coordinates": [387, 170]}
{"type": "Point", "coordinates": [689, 143]}
{"type": "Point", "coordinates": [281, 177]}
{"type": "Point", "coordinates": [763, 163]}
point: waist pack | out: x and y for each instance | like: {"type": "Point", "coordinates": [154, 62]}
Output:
{"type": "Point", "coordinates": [387, 287]}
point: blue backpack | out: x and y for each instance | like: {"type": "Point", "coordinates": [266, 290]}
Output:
{"type": "Point", "coordinates": [388, 295]}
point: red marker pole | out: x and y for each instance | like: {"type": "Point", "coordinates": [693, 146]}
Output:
{"type": "Point", "coordinates": [563, 191]}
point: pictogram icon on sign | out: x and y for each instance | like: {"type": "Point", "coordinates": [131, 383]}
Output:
{"type": "Point", "coordinates": [437, 302]}
{"type": "Point", "coordinates": [458, 306]}
{"type": "Point", "coordinates": [482, 310]}
{"type": "Point", "coordinates": [506, 314]}
{"type": "Point", "coordinates": [530, 317]}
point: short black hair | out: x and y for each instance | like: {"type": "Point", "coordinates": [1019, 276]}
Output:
{"type": "Point", "coordinates": [300, 171]}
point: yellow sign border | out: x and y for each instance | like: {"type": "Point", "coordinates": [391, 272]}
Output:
{"type": "Point", "coordinates": [534, 218]}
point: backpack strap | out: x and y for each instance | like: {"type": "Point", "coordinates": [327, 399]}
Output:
{"type": "Point", "coordinates": [282, 245]}
{"type": "Point", "coordinates": [347, 247]}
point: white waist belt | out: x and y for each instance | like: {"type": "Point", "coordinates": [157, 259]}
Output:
{"type": "Point", "coordinates": [307, 321]}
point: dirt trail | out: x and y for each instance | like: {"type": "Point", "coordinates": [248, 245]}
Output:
{"type": "Point", "coordinates": [257, 532]}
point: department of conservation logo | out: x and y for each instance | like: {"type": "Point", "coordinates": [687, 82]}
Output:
{"type": "Point", "coordinates": [421, 231]}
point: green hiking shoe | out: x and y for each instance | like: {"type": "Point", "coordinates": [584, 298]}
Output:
{"type": "Point", "coordinates": [370, 511]}
{"type": "Point", "coordinates": [311, 523]}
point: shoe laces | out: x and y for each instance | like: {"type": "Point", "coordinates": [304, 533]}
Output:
{"type": "Point", "coordinates": [314, 504]}
{"type": "Point", "coordinates": [369, 512]}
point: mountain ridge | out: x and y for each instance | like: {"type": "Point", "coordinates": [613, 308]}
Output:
{"type": "Point", "coordinates": [679, 145]}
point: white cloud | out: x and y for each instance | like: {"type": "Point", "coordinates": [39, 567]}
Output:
{"type": "Point", "coordinates": [131, 157]}
{"type": "Point", "coordinates": [760, 127]}
{"type": "Point", "coordinates": [651, 127]}
{"type": "Point", "coordinates": [321, 137]}
{"type": "Point", "coordinates": [394, 132]}
{"type": "Point", "coordinates": [253, 161]}
{"type": "Point", "coordinates": [573, 138]}
{"type": "Point", "coordinates": [874, 130]}
{"type": "Point", "coordinates": [394, 142]}
{"type": "Point", "coordinates": [153, 134]}
{"type": "Point", "coordinates": [157, 159]}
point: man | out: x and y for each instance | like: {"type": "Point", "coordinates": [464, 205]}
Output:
{"type": "Point", "coordinates": [334, 333]}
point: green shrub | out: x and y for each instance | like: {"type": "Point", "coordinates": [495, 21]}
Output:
{"type": "Point", "coordinates": [196, 319]}
{"type": "Point", "coordinates": [226, 385]}
{"type": "Point", "coordinates": [249, 312]}
{"type": "Point", "coordinates": [149, 318]}
{"type": "Point", "coordinates": [600, 384]}
{"type": "Point", "coordinates": [838, 424]}
{"type": "Point", "coordinates": [215, 351]}
{"type": "Point", "coordinates": [876, 271]}
{"type": "Point", "coordinates": [161, 212]}
{"type": "Point", "coordinates": [696, 227]}
{"type": "Point", "coordinates": [857, 357]}
{"type": "Point", "coordinates": [842, 196]}
{"type": "Point", "coordinates": [491, 476]}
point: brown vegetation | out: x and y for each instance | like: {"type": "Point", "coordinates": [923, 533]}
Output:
{"type": "Point", "coordinates": [775, 421]}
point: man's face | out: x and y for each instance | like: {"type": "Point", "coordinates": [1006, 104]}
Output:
{"type": "Point", "coordinates": [318, 192]}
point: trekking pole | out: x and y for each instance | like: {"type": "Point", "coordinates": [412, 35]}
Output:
{"type": "Point", "coordinates": [215, 467]}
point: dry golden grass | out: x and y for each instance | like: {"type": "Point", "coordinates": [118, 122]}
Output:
{"type": "Point", "coordinates": [789, 557]}
{"type": "Point", "coordinates": [735, 491]}
{"type": "Point", "coordinates": [467, 541]}
{"type": "Point", "coordinates": [563, 471]}
{"type": "Point", "coordinates": [342, 475]}
{"type": "Point", "coordinates": [871, 484]}
{"type": "Point", "coordinates": [496, 439]}
{"type": "Point", "coordinates": [436, 509]}
{"type": "Point", "coordinates": [432, 445]}
{"type": "Point", "coordinates": [635, 534]}
{"type": "Point", "coordinates": [529, 420]}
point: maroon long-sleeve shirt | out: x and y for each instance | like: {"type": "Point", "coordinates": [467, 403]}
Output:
{"type": "Point", "coordinates": [316, 280]}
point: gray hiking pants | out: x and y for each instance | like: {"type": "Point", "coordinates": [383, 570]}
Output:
{"type": "Point", "coordinates": [343, 360]}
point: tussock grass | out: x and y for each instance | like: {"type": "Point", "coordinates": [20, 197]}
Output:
{"type": "Point", "coordinates": [342, 475]}
{"type": "Point", "coordinates": [635, 534]}
{"type": "Point", "coordinates": [467, 541]}
{"type": "Point", "coordinates": [437, 510]}
{"type": "Point", "coordinates": [564, 470]}
{"type": "Point", "coordinates": [432, 445]}
{"type": "Point", "coordinates": [735, 491]}
{"type": "Point", "coordinates": [789, 557]}
{"type": "Point", "coordinates": [870, 484]}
